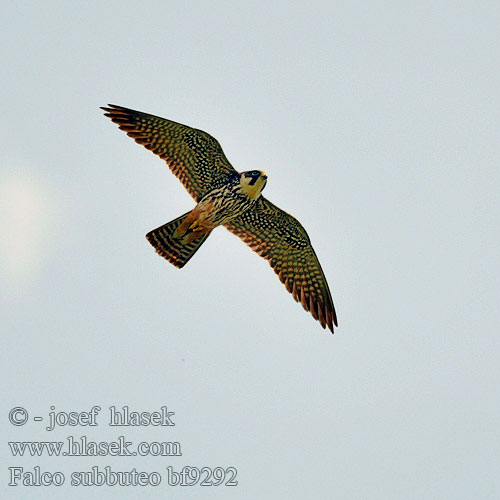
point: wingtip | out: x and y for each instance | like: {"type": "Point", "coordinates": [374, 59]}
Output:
{"type": "Point", "coordinates": [106, 110]}
{"type": "Point", "coordinates": [332, 320]}
{"type": "Point", "coordinates": [111, 107]}
{"type": "Point", "coordinates": [333, 315]}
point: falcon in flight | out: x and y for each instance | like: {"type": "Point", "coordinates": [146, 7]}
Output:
{"type": "Point", "coordinates": [234, 200]}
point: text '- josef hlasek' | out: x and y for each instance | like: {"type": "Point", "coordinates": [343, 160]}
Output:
{"type": "Point", "coordinates": [117, 417]}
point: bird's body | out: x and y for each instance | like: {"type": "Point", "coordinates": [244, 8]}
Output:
{"type": "Point", "coordinates": [222, 204]}
{"type": "Point", "coordinates": [226, 197]}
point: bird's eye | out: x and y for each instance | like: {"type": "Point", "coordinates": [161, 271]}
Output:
{"type": "Point", "coordinates": [256, 173]}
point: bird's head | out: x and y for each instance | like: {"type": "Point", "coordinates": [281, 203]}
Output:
{"type": "Point", "coordinates": [252, 183]}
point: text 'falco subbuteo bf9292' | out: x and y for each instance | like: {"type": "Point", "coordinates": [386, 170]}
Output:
{"type": "Point", "coordinates": [228, 198]}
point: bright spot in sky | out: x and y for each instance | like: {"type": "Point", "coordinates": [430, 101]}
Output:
{"type": "Point", "coordinates": [24, 223]}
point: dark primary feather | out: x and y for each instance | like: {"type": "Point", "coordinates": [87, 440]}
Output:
{"type": "Point", "coordinates": [194, 156]}
{"type": "Point", "coordinates": [281, 239]}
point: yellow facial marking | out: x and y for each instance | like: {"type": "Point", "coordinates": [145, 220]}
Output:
{"type": "Point", "coordinates": [253, 191]}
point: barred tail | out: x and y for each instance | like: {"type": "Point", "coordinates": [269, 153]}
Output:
{"type": "Point", "coordinates": [175, 250]}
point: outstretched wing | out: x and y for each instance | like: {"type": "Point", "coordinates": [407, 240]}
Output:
{"type": "Point", "coordinates": [281, 239]}
{"type": "Point", "coordinates": [194, 156]}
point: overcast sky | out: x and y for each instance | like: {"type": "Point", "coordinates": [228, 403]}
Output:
{"type": "Point", "coordinates": [378, 126]}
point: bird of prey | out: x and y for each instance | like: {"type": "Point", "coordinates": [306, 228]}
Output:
{"type": "Point", "coordinates": [231, 199]}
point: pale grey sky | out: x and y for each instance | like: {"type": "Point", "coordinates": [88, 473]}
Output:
{"type": "Point", "coordinates": [377, 123]}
